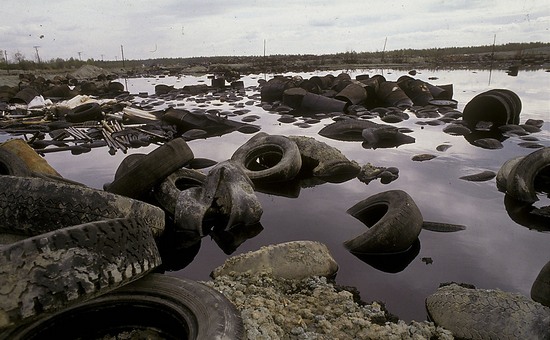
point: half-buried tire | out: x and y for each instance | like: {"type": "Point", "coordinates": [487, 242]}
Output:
{"type": "Point", "coordinates": [157, 305]}
{"type": "Point", "coordinates": [393, 220]}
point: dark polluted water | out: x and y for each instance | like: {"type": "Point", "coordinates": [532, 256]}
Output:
{"type": "Point", "coordinates": [496, 249]}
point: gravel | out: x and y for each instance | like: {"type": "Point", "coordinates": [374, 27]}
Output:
{"type": "Point", "coordinates": [313, 308]}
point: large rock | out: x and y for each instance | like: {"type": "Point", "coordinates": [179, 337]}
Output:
{"type": "Point", "coordinates": [292, 260]}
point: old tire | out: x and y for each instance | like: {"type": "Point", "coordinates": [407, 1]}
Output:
{"type": "Point", "coordinates": [521, 180]}
{"type": "Point", "coordinates": [148, 171]}
{"type": "Point", "coordinates": [54, 270]}
{"type": "Point", "coordinates": [504, 172]}
{"type": "Point", "coordinates": [127, 163]}
{"type": "Point", "coordinates": [32, 206]}
{"type": "Point", "coordinates": [269, 158]}
{"type": "Point", "coordinates": [32, 160]}
{"type": "Point", "coordinates": [168, 191]}
{"type": "Point", "coordinates": [393, 220]}
{"type": "Point", "coordinates": [84, 112]}
{"type": "Point", "coordinates": [12, 165]}
{"type": "Point", "coordinates": [168, 307]}
{"type": "Point", "coordinates": [487, 314]}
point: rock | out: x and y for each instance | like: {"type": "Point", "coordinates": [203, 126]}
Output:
{"type": "Point", "coordinates": [371, 172]}
{"type": "Point", "coordinates": [423, 157]}
{"type": "Point", "coordinates": [480, 176]}
{"type": "Point", "coordinates": [89, 72]}
{"type": "Point", "coordinates": [290, 260]}
{"type": "Point", "coordinates": [488, 143]}
{"type": "Point", "coordinates": [313, 308]}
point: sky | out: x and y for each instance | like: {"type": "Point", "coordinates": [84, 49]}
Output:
{"type": "Point", "coordinates": [103, 29]}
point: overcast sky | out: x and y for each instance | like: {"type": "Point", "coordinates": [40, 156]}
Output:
{"type": "Point", "coordinates": [172, 28]}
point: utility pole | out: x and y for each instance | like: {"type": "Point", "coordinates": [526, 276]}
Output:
{"type": "Point", "coordinates": [122, 51]}
{"type": "Point", "coordinates": [37, 55]}
{"type": "Point", "coordinates": [6, 58]}
{"type": "Point", "coordinates": [384, 49]}
{"type": "Point", "coordinates": [79, 56]}
{"type": "Point", "coordinates": [492, 57]}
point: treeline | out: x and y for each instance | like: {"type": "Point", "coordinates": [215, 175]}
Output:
{"type": "Point", "coordinates": [510, 47]}
{"type": "Point", "coordinates": [524, 53]}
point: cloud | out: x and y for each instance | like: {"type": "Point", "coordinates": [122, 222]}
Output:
{"type": "Point", "coordinates": [203, 28]}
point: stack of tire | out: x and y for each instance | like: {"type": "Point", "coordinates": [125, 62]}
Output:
{"type": "Point", "coordinates": [77, 261]}
{"type": "Point", "coordinates": [337, 94]}
{"type": "Point", "coordinates": [500, 106]}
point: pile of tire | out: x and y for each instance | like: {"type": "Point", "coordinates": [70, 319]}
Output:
{"type": "Point", "coordinates": [78, 261]}
{"type": "Point", "coordinates": [338, 93]}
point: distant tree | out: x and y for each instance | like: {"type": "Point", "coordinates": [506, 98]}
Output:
{"type": "Point", "coordinates": [19, 57]}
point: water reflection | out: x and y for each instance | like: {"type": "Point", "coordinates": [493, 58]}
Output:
{"type": "Point", "coordinates": [391, 263]}
{"type": "Point", "coordinates": [527, 215]}
{"type": "Point", "coordinates": [497, 250]}
{"type": "Point", "coordinates": [230, 239]}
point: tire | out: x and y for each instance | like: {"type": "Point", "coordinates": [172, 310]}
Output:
{"type": "Point", "coordinates": [225, 200]}
{"type": "Point", "coordinates": [348, 129]}
{"type": "Point", "coordinates": [169, 190]}
{"type": "Point", "coordinates": [169, 307]}
{"type": "Point", "coordinates": [269, 158]}
{"type": "Point", "coordinates": [394, 223]}
{"type": "Point", "coordinates": [84, 112]}
{"type": "Point", "coordinates": [521, 180]}
{"type": "Point", "coordinates": [513, 100]}
{"type": "Point", "coordinates": [12, 165]}
{"type": "Point", "coordinates": [148, 171]}
{"type": "Point", "coordinates": [324, 161]}
{"type": "Point", "coordinates": [54, 270]}
{"type": "Point", "coordinates": [26, 154]}
{"type": "Point", "coordinates": [487, 314]}
{"type": "Point", "coordinates": [32, 206]}
{"type": "Point", "coordinates": [504, 172]}
{"type": "Point", "coordinates": [127, 163]}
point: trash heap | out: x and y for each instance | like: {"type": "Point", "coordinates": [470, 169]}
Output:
{"type": "Point", "coordinates": [73, 249]}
